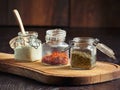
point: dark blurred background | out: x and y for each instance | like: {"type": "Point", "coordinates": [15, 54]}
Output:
{"type": "Point", "coordinates": [93, 18]}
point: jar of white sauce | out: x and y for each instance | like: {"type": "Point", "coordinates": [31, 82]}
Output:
{"type": "Point", "coordinates": [26, 46]}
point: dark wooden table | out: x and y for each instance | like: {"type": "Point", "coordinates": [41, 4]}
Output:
{"type": "Point", "coordinates": [109, 36]}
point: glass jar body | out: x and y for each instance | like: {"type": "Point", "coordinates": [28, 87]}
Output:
{"type": "Point", "coordinates": [83, 53]}
{"type": "Point", "coordinates": [27, 47]}
{"type": "Point", "coordinates": [52, 49]}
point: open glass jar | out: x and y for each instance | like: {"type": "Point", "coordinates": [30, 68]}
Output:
{"type": "Point", "coordinates": [52, 48]}
{"type": "Point", "coordinates": [26, 47]}
{"type": "Point", "coordinates": [83, 53]}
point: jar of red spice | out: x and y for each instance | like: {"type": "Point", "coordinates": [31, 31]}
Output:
{"type": "Point", "coordinates": [53, 48]}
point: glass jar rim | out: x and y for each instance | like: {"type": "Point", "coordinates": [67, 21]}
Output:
{"type": "Point", "coordinates": [89, 40]}
{"type": "Point", "coordinates": [55, 35]}
{"type": "Point", "coordinates": [55, 32]}
{"type": "Point", "coordinates": [28, 33]}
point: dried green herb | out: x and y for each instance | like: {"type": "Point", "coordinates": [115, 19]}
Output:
{"type": "Point", "coordinates": [82, 60]}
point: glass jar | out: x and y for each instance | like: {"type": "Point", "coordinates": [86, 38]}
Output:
{"type": "Point", "coordinates": [83, 53]}
{"type": "Point", "coordinates": [53, 53]}
{"type": "Point", "coordinates": [26, 46]}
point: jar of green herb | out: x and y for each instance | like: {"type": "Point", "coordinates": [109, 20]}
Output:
{"type": "Point", "coordinates": [82, 53]}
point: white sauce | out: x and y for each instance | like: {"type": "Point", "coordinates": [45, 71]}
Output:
{"type": "Point", "coordinates": [28, 53]}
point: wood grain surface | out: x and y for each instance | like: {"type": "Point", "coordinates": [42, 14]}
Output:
{"type": "Point", "coordinates": [68, 13]}
{"type": "Point", "coordinates": [95, 13]}
{"type": "Point", "coordinates": [59, 75]}
{"type": "Point", "coordinates": [40, 12]}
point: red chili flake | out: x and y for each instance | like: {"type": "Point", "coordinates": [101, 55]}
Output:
{"type": "Point", "coordinates": [56, 58]}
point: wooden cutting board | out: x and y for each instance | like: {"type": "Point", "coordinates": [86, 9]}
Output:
{"type": "Point", "coordinates": [59, 75]}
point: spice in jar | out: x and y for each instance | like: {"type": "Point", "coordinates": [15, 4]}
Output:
{"type": "Point", "coordinates": [83, 53]}
{"type": "Point", "coordinates": [53, 49]}
{"type": "Point", "coordinates": [81, 60]}
{"type": "Point", "coordinates": [56, 58]}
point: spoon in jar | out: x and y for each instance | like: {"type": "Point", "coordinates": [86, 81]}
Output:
{"type": "Point", "coordinates": [17, 15]}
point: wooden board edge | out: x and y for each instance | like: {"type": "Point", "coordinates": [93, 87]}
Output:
{"type": "Point", "coordinates": [53, 80]}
